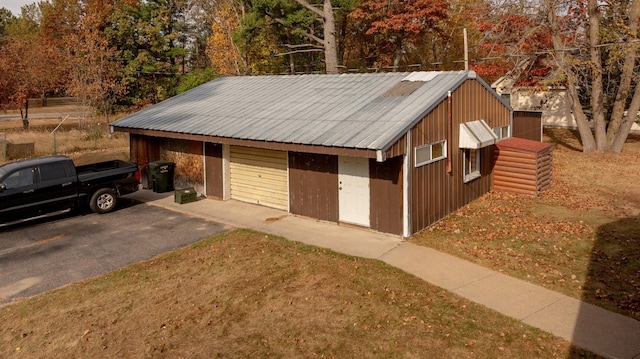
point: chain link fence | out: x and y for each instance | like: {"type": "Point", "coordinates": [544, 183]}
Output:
{"type": "Point", "coordinates": [56, 138]}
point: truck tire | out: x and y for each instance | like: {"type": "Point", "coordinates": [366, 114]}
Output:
{"type": "Point", "coordinates": [103, 201]}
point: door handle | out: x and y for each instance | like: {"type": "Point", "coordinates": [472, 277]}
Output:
{"type": "Point", "coordinates": [29, 191]}
{"type": "Point", "coordinates": [66, 184]}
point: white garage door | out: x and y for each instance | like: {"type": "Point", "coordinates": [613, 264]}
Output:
{"type": "Point", "coordinates": [259, 176]}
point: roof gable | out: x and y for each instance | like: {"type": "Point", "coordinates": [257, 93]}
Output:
{"type": "Point", "coordinates": [350, 110]}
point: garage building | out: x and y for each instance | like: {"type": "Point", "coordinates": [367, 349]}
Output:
{"type": "Point", "coordinates": [394, 152]}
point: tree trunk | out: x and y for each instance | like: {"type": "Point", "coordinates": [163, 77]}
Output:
{"type": "Point", "coordinates": [330, 47]}
{"type": "Point", "coordinates": [329, 40]}
{"type": "Point", "coordinates": [597, 96]}
{"type": "Point", "coordinates": [397, 54]}
{"type": "Point", "coordinates": [625, 127]}
{"type": "Point", "coordinates": [588, 141]}
{"type": "Point", "coordinates": [616, 123]}
{"type": "Point", "coordinates": [25, 118]}
{"type": "Point", "coordinates": [586, 135]}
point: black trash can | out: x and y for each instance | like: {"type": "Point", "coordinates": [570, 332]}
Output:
{"type": "Point", "coordinates": [161, 173]}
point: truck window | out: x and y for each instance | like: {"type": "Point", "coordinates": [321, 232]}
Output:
{"type": "Point", "coordinates": [20, 178]}
{"type": "Point", "coordinates": [53, 171]}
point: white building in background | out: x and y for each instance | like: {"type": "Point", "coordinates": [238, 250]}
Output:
{"type": "Point", "coordinates": [553, 102]}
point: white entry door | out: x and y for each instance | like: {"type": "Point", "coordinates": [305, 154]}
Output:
{"type": "Point", "coordinates": [353, 182]}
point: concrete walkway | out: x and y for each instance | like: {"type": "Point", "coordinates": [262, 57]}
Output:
{"type": "Point", "coordinates": [603, 332]}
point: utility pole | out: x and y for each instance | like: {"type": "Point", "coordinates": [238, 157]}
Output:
{"type": "Point", "coordinates": [466, 50]}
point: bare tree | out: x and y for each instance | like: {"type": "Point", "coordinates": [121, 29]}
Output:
{"type": "Point", "coordinates": [577, 37]}
{"type": "Point", "coordinates": [329, 34]}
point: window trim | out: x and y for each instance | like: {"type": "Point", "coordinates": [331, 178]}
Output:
{"type": "Point", "coordinates": [471, 175]}
{"type": "Point", "coordinates": [430, 147]}
{"type": "Point", "coordinates": [498, 131]}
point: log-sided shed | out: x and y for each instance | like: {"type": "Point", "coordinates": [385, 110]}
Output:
{"type": "Point", "coordinates": [395, 152]}
{"type": "Point", "coordinates": [522, 166]}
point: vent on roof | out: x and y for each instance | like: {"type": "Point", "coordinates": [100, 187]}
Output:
{"type": "Point", "coordinates": [403, 88]}
{"type": "Point", "coordinates": [422, 76]}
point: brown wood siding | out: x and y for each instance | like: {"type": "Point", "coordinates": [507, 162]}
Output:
{"type": "Point", "coordinates": [142, 150]}
{"type": "Point", "coordinates": [429, 183]}
{"type": "Point", "coordinates": [399, 148]}
{"type": "Point", "coordinates": [134, 151]}
{"type": "Point", "coordinates": [313, 185]}
{"type": "Point", "coordinates": [528, 125]}
{"type": "Point", "coordinates": [544, 171]}
{"type": "Point", "coordinates": [213, 165]}
{"type": "Point", "coordinates": [153, 145]}
{"type": "Point", "coordinates": [523, 172]}
{"type": "Point", "coordinates": [434, 192]}
{"type": "Point", "coordinates": [386, 195]}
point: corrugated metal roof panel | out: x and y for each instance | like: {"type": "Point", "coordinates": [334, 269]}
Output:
{"type": "Point", "coordinates": [331, 110]}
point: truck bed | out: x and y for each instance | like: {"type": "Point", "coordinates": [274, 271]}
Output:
{"type": "Point", "coordinates": [102, 166]}
{"type": "Point", "coordinates": [104, 169]}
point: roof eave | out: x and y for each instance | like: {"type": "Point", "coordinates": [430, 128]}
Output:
{"type": "Point", "coordinates": [280, 146]}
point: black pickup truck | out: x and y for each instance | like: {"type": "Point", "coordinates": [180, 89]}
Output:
{"type": "Point", "coordinates": [50, 185]}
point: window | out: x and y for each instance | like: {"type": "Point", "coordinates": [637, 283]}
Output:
{"type": "Point", "coordinates": [53, 171]}
{"type": "Point", "coordinates": [471, 164]}
{"type": "Point", "coordinates": [501, 132]}
{"type": "Point", "coordinates": [430, 153]}
{"type": "Point", "coordinates": [506, 97]}
{"type": "Point", "coordinates": [19, 178]}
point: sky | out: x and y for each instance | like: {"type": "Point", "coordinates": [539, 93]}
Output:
{"type": "Point", "coordinates": [15, 5]}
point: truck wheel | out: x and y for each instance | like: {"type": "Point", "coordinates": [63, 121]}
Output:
{"type": "Point", "coordinates": [103, 201]}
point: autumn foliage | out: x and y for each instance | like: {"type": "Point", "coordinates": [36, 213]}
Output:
{"type": "Point", "coordinates": [224, 55]}
{"type": "Point", "coordinates": [396, 17]}
{"type": "Point", "coordinates": [131, 53]}
{"type": "Point", "coordinates": [507, 38]}
{"type": "Point", "coordinates": [397, 27]}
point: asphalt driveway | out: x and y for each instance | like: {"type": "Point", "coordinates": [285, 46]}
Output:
{"type": "Point", "coordinates": [47, 254]}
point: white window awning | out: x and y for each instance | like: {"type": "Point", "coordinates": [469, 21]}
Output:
{"type": "Point", "coordinates": [476, 134]}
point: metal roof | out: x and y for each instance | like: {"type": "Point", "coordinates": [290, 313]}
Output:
{"type": "Point", "coordinates": [349, 110]}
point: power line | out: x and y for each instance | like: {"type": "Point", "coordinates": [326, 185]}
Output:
{"type": "Point", "coordinates": [571, 49]}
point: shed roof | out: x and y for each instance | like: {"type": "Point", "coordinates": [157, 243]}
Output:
{"type": "Point", "coordinates": [360, 111]}
{"type": "Point", "coordinates": [523, 145]}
